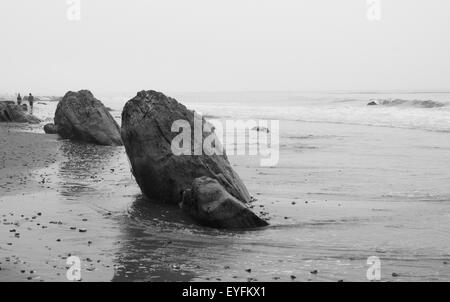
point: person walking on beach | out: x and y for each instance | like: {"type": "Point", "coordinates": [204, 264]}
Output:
{"type": "Point", "coordinates": [31, 101]}
{"type": "Point", "coordinates": [19, 99]}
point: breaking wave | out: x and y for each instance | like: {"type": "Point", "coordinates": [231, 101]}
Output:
{"type": "Point", "coordinates": [408, 103]}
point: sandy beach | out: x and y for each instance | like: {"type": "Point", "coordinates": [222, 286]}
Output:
{"type": "Point", "coordinates": [36, 227]}
{"type": "Point", "coordinates": [340, 194]}
{"type": "Point", "coordinates": [334, 117]}
{"type": "Point", "coordinates": [22, 153]}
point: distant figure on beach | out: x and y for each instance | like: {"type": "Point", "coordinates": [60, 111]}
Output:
{"type": "Point", "coordinates": [31, 100]}
{"type": "Point", "coordinates": [19, 99]}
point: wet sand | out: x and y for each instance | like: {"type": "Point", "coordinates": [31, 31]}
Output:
{"type": "Point", "coordinates": [40, 227]}
{"type": "Point", "coordinates": [331, 206]}
{"type": "Point", "coordinates": [21, 153]}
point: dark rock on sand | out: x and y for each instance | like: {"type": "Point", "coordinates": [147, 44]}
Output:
{"type": "Point", "coordinates": [10, 112]}
{"type": "Point", "coordinates": [146, 133]}
{"type": "Point", "coordinates": [211, 205]}
{"type": "Point", "coordinates": [50, 129]}
{"type": "Point", "coordinates": [80, 116]}
{"type": "Point", "coordinates": [262, 129]}
{"type": "Point", "coordinates": [372, 103]}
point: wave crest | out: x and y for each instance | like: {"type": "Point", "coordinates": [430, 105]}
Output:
{"type": "Point", "coordinates": [407, 103]}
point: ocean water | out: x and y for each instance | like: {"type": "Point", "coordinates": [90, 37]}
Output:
{"type": "Point", "coordinates": [352, 181]}
{"type": "Point", "coordinates": [418, 110]}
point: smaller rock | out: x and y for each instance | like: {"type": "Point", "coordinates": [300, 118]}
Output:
{"type": "Point", "coordinates": [372, 103]}
{"type": "Point", "coordinates": [261, 129]}
{"type": "Point", "coordinates": [10, 112]}
{"type": "Point", "coordinates": [51, 129]}
{"type": "Point", "coordinates": [210, 204]}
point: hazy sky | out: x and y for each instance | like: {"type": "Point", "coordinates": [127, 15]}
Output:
{"type": "Point", "coordinates": [223, 45]}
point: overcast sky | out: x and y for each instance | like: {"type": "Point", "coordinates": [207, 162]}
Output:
{"type": "Point", "coordinates": [223, 45]}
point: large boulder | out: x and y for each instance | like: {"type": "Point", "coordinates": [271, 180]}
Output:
{"type": "Point", "coordinates": [147, 121]}
{"type": "Point", "coordinates": [10, 112]}
{"type": "Point", "coordinates": [80, 116]}
{"type": "Point", "coordinates": [210, 204]}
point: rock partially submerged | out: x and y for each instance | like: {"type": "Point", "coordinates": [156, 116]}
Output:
{"type": "Point", "coordinates": [12, 113]}
{"type": "Point", "coordinates": [261, 129]}
{"type": "Point", "coordinates": [372, 103]}
{"type": "Point", "coordinates": [210, 204]}
{"type": "Point", "coordinates": [80, 116]}
{"type": "Point", "coordinates": [146, 133]}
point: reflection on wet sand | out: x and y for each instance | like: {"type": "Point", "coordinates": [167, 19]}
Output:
{"type": "Point", "coordinates": [159, 243]}
{"type": "Point", "coordinates": [83, 166]}
{"type": "Point", "coordinates": [150, 249]}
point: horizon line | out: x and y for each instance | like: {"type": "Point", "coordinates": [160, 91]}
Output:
{"type": "Point", "coordinates": [331, 91]}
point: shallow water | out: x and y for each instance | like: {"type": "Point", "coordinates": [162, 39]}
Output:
{"type": "Point", "coordinates": [342, 192]}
